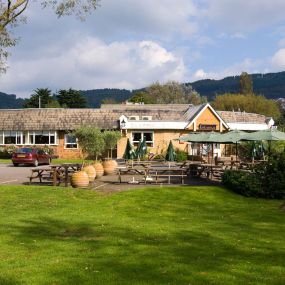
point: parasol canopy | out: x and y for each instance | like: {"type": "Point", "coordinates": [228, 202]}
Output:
{"type": "Point", "coordinates": [170, 154]}
{"type": "Point", "coordinates": [129, 152]}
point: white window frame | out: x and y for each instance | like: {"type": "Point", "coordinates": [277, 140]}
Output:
{"type": "Point", "coordinates": [19, 134]}
{"type": "Point", "coordinates": [34, 133]}
{"type": "Point", "coordinates": [148, 143]}
{"type": "Point", "coordinates": [66, 143]}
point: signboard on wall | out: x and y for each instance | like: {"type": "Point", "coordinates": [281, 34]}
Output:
{"type": "Point", "coordinates": [204, 127]}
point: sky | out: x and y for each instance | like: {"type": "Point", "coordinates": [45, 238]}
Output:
{"type": "Point", "coordinates": [132, 43]}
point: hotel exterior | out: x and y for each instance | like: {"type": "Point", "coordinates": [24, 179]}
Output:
{"type": "Point", "coordinates": [158, 123]}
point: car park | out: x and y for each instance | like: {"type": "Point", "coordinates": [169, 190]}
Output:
{"type": "Point", "coordinates": [31, 156]}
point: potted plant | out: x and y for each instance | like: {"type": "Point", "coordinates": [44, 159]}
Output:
{"type": "Point", "coordinates": [111, 138]}
{"type": "Point", "coordinates": [92, 143]}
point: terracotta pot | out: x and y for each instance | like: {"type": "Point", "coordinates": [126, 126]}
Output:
{"type": "Point", "coordinates": [99, 169]}
{"type": "Point", "coordinates": [91, 172]}
{"type": "Point", "coordinates": [109, 167]}
{"type": "Point", "coordinates": [80, 179]}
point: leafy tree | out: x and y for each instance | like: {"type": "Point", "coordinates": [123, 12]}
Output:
{"type": "Point", "coordinates": [111, 138]}
{"type": "Point", "coordinates": [71, 99]}
{"type": "Point", "coordinates": [40, 99]}
{"type": "Point", "coordinates": [12, 14]}
{"type": "Point", "coordinates": [171, 92]}
{"type": "Point", "coordinates": [91, 140]}
{"type": "Point", "coordinates": [245, 83]}
{"type": "Point", "coordinates": [142, 97]}
{"type": "Point", "coordinates": [249, 103]}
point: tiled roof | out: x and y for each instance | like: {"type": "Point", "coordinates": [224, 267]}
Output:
{"type": "Point", "coordinates": [68, 119]}
{"type": "Point", "coordinates": [108, 116]}
{"type": "Point", "coordinates": [242, 117]}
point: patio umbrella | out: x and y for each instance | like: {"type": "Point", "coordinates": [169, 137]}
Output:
{"type": "Point", "coordinates": [129, 152]}
{"type": "Point", "coordinates": [141, 149]}
{"type": "Point", "coordinates": [265, 135]}
{"type": "Point", "coordinates": [170, 153]}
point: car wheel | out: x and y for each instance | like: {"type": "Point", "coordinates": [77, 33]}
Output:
{"type": "Point", "coordinates": [36, 163]}
{"type": "Point", "coordinates": [15, 164]}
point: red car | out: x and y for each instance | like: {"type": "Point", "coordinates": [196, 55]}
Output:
{"type": "Point", "coordinates": [31, 156]}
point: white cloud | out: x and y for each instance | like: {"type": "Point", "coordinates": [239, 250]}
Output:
{"type": "Point", "coordinates": [248, 65]}
{"type": "Point", "coordinates": [243, 16]}
{"type": "Point", "coordinates": [92, 63]}
{"type": "Point", "coordinates": [199, 74]}
{"type": "Point", "coordinates": [278, 59]}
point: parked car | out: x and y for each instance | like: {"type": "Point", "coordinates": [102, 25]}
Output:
{"type": "Point", "coordinates": [32, 156]}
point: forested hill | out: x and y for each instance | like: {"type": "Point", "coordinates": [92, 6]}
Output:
{"type": "Point", "coordinates": [10, 101]}
{"type": "Point", "coordinates": [96, 96]}
{"type": "Point", "coordinates": [271, 85]}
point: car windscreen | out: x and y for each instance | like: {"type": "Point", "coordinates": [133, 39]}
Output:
{"type": "Point", "coordinates": [24, 150]}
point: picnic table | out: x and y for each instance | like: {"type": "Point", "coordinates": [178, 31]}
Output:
{"type": "Point", "coordinates": [196, 170]}
{"type": "Point", "coordinates": [148, 172]}
{"type": "Point", "coordinates": [57, 173]}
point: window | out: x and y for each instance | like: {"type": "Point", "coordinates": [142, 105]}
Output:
{"type": "Point", "coordinates": [134, 118]}
{"type": "Point", "coordinates": [70, 141]}
{"type": "Point", "coordinates": [146, 118]}
{"type": "Point", "coordinates": [138, 136]}
{"type": "Point", "coordinates": [11, 137]}
{"type": "Point", "coordinates": [42, 137]}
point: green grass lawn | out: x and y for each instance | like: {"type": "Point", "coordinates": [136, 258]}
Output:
{"type": "Point", "coordinates": [179, 235]}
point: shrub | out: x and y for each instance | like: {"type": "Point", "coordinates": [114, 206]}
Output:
{"type": "Point", "coordinates": [181, 155]}
{"type": "Point", "coordinates": [266, 181]}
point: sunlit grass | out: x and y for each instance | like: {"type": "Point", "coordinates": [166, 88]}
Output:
{"type": "Point", "coordinates": [177, 235]}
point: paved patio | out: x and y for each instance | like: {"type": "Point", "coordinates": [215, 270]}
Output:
{"type": "Point", "coordinates": [10, 175]}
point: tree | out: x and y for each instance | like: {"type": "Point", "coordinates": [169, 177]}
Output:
{"type": "Point", "coordinates": [71, 99]}
{"type": "Point", "coordinates": [111, 138]}
{"type": "Point", "coordinates": [171, 92]}
{"type": "Point", "coordinates": [142, 97]}
{"type": "Point", "coordinates": [91, 140]}
{"type": "Point", "coordinates": [249, 103]}
{"type": "Point", "coordinates": [245, 82]}
{"type": "Point", "coordinates": [40, 99]}
{"type": "Point", "coordinates": [12, 14]}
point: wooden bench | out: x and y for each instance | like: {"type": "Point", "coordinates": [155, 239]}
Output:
{"type": "Point", "coordinates": [40, 173]}
{"type": "Point", "coordinates": [166, 172]}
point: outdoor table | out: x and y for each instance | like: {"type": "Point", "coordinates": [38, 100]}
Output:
{"type": "Point", "coordinates": [199, 169]}
{"type": "Point", "coordinates": [38, 173]}
{"type": "Point", "coordinates": [164, 171]}
{"type": "Point", "coordinates": [63, 170]}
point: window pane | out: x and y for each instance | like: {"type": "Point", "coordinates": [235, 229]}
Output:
{"type": "Point", "coordinates": [148, 137]}
{"type": "Point", "coordinates": [137, 137]}
{"type": "Point", "coordinates": [52, 139]}
{"type": "Point", "coordinates": [70, 139]}
{"type": "Point", "coordinates": [1, 138]}
{"type": "Point", "coordinates": [10, 138]}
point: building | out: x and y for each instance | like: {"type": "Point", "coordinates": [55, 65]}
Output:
{"type": "Point", "coordinates": [159, 123]}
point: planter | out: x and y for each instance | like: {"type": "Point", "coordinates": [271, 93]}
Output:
{"type": "Point", "coordinates": [80, 179]}
{"type": "Point", "coordinates": [91, 172]}
{"type": "Point", "coordinates": [109, 166]}
{"type": "Point", "coordinates": [99, 169]}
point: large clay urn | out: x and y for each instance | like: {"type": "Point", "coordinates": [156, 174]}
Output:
{"type": "Point", "coordinates": [80, 179]}
{"type": "Point", "coordinates": [99, 169]}
{"type": "Point", "coordinates": [91, 172]}
{"type": "Point", "coordinates": [109, 167]}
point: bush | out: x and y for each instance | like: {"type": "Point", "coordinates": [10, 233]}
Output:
{"type": "Point", "coordinates": [6, 151]}
{"type": "Point", "coordinates": [181, 155]}
{"type": "Point", "coordinates": [266, 181]}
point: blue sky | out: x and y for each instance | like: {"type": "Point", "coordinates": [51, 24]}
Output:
{"type": "Point", "coordinates": [133, 43]}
